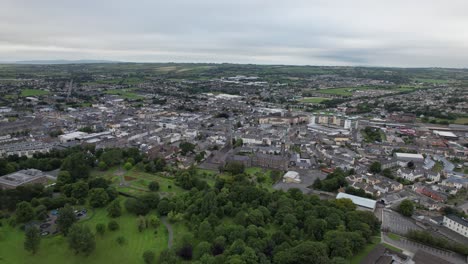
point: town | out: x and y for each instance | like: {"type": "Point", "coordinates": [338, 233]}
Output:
{"type": "Point", "coordinates": [392, 140]}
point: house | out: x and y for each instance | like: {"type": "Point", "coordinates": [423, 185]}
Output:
{"type": "Point", "coordinates": [409, 174]}
{"type": "Point", "coordinates": [404, 158]}
{"type": "Point", "coordinates": [23, 177]}
{"type": "Point", "coordinates": [456, 182]}
{"type": "Point", "coordinates": [291, 177]}
{"type": "Point", "coordinates": [433, 176]}
{"type": "Point", "coordinates": [457, 224]}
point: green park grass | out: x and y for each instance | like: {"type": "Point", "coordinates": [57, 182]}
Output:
{"type": "Point", "coordinates": [394, 236]}
{"type": "Point", "coordinates": [55, 250]}
{"type": "Point", "coordinates": [313, 100]}
{"type": "Point", "coordinates": [433, 81]}
{"type": "Point", "coordinates": [338, 91]}
{"type": "Point", "coordinates": [125, 93]}
{"type": "Point", "coordinates": [356, 259]}
{"type": "Point", "coordinates": [33, 92]}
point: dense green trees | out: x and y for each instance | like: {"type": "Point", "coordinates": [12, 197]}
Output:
{"type": "Point", "coordinates": [32, 239]}
{"type": "Point", "coordinates": [24, 212]}
{"type": "Point", "coordinates": [114, 209]}
{"type": "Point", "coordinates": [406, 208]}
{"type": "Point", "coordinates": [66, 219]}
{"type": "Point", "coordinates": [375, 167]}
{"type": "Point", "coordinates": [98, 197]}
{"type": "Point", "coordinates": [81, 239]}
{"type": "Point", "coordinates": [153, 186]}
{"type": "Point", "coordinates": [332, 182]}
{"type": "Point", "coordinates": [77, 164]}
{"type": "Point", "coordinates": [186, 147]}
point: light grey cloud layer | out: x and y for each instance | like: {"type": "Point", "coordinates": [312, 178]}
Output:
{"type": "Point", "coordinates": [314, 32]}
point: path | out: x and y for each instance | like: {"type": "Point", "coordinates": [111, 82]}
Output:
{"type": "Point", "coordinates": [169, 231]}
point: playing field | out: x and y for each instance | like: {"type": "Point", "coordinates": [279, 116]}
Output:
{"type": "Point", "coordinates": [55, 250]}
{"type": "Point", "coordinates": [33, 92]}
{"type": "Point", "coordinates": [313, 100]}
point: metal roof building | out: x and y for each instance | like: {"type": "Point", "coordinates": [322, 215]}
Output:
{"type": "Point", "coordinates": [365, 203]}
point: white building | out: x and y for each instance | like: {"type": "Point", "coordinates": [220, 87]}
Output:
{"type": "Point", "coordinates": [291, 177]}
{"type": "Point", "coordinates": [362, 203]}
{"type": "Point", "coordinates": [72, 136]}
{"type": "Point", "coordinates": [457, 224]}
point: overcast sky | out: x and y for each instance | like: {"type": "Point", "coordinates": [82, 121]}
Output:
{"type": "Point", "coordinates": [406, 33]}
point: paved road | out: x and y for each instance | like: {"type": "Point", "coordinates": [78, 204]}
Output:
{"type": "Point", "coordinates": [413, 247]}
{"type": "Point", "coordinates": [170, 232]}
{"type": "Point", "coordinates": [395, 223]}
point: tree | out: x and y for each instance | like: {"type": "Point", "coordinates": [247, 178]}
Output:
{"type": "Point", "coordinates": [79, 190]}
{"type": "Point", "coordinates": [66, 219]}
{"type": "Point", "coordinates": [113, 225]}
{"type": "Point", "coordinates": [136, 206]}
{"type": "Point", "coordinates": [127, 166]}
{"type": "Point", "coordinates": [102, 165]}
{"type": "Point", "coordinates": [100, 228]}
{"type": "Point", "coordinates": [388, 173]}
{"type": "Point", "coordinates": [154, 221]}
{"type": "Point", "coordinates": [63, 178]}
{"type": "Point", "coordinates": [141, 223]}
{"type": "Point", "coordinates": [163, 207]}
{"type": "Point", "coordinates": [375, 167]}
{"type": "Point", "coordinates": [153, 186]}
{"type": "Point", "coordinates": [406, 208]}
{"type": "Point", "coordinates": [186, 147]}
{"type": "Point", "coordinates": [98, 197]}
{"type": "Point", "coordinates": [77, 165]}
{"type": "Point", "coordinates": [201, 249]}
{"type": "Point", "coordinates": [24, 212]}
{"type": "Point", "coordinates": [234, 168]}
{"type": "Point", "coordinates": [81, 239]}
{"type": "Point", "coordinates": [114, 209]}
{"type": "Point", "coordinates": [307, 252]}
{"type": "Point", "coordinates": [32, 239]}
{"type": "Point", "coordinates": [149, 257]}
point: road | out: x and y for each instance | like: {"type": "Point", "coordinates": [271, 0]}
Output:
{"type": "Point", "coordinates": [395, 223]}
{"type": "Point", "coordinates": [170, 232]}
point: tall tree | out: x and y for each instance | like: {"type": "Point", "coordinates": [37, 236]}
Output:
{"type": "Point", "coordinates": [114, 209]}
{"type": "Point", "coordinates": [24, 212]}
{"type": "Point", "coordinates": [81, 239]}
{"type": "Point", "coordinates": [32, 239]}
{"type": "Point", "coordinates": [66, 219]}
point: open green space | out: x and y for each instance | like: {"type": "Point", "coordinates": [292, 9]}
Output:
{"type": "Point", "coordinates": [356, 259]}
{"type": "Point", "coordinates": [394, 236]}
{"type": "Point", "coordinates": [33, 92]}
{"type": "Point", "coordinates": [313, 100]}
{"type": "Point", "coordinates": [55, 249]}
{"type": "Point", "coordinates": [125, 93]}
{"type": "Point", "coordinates": [433, 81]}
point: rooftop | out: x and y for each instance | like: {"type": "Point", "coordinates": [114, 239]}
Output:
{"type": "Point", "coordinates": [363, 202]}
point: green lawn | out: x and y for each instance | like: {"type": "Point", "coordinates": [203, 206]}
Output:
{"type": "Point", "coordinates": [338, 91]}
{"type": "Point", "coordinates": [54, 250]}
{"type": "Point", "coordinates": [33, 92]}
{"type": "Point", "coordinates": [313, 100]}
{"type": "Point", "coordinates": [125, 93]}
{"type": "Point", "coordinates": [356, 259]}
{"type": "Point", "coordinates": [393, 236]}
{"type": "Point", "coordinates": [433, 81]}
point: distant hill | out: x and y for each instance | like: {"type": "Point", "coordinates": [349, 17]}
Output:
{"type": "Point", "coordinates": [63, 61]}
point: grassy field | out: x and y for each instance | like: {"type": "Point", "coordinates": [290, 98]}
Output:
{"type": "Point", "coordinates": [124, 93]}
{"type": "Point", "coordinates": [313, 100]}
{"type": "Point", "coordinates": [356, 259]}
{"type": "Point", "coordinates": [394, 236]}
{"type": "Point", "coordinates": [33, 92]}
{"type": "Point", "coordinates": [433, 81]}
{"type": "Point", "coordinates": [54, 250]}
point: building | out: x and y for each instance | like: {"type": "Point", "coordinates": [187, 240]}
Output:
{"type": "Point", "coordinates": [291, 177]}
{"type": "Point", "coordinates": [362, 203]}
{"type": "Point", "coordinates": [23, 177]}
{"type": "Point", "coordinates": [25, 148]}
{"type": "Point", "coordinates": [457, 224]}
{"type": "Point", "coordinates": [72, 136]}
{"type": "Point", "coordinates": [404, 158]}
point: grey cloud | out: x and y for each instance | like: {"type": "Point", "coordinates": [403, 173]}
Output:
{"type": "Point", "coordinates": [332, 32]}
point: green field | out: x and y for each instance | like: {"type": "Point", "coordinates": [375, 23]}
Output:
{"type": "Point", "coordinates": [338, 91]}
{"type": "Point", "coordinates": [33, 92]}
{"type": "Point", "coordinates": [124, 93]}
{"type": "Point", "coordinates": [433, 81]}
{"type": "Point", "coordinates": [313, 100]}
{"type": "Point", "coordinates": [54, 250]}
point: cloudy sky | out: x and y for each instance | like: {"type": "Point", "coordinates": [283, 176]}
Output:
{"type": "Point", "coordinates": [407, 33]}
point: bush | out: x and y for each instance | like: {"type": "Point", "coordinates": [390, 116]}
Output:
{"type": "Point", "coordinates": [113, 225]}
{"type": "Point", "coordinates": [100, 228]}
{"type": "Point", "coordinates": [149, 257]}
{"type": "Point", "coordinates": [153, 186]}
{"type": "Point", "coordinates": [121, 240]}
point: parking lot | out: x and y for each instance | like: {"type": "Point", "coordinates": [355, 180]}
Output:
{"type": "Point", "coordinates": [307, 178]}
{"type": "Point", "coordinates": [396, 223]}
